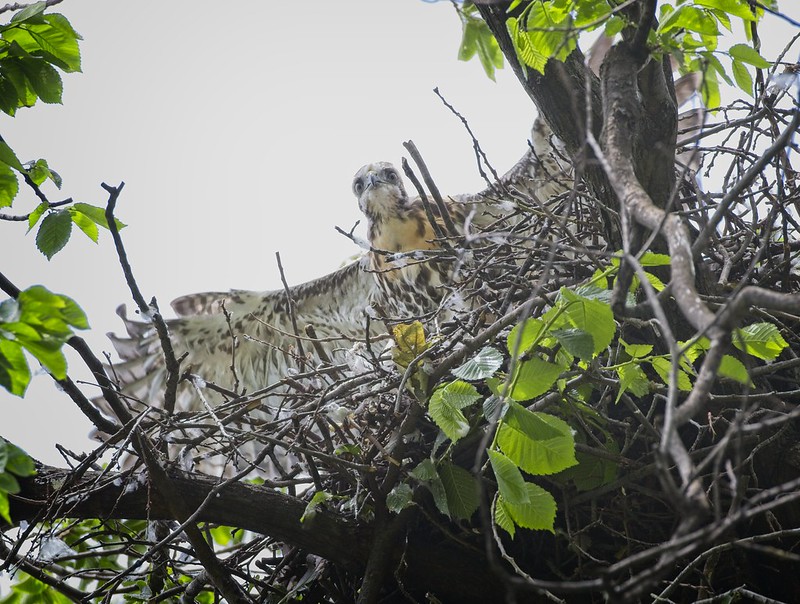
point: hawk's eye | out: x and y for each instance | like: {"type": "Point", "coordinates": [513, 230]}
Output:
{"type": "Point", "coordinates": [391, 175]}
{"type": "Point", "coordinates": [358, 186]}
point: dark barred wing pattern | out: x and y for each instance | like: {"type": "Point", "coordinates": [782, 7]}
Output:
{"type": "Point", "coordinates": [260, 322]}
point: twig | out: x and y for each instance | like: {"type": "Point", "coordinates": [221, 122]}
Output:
{"type": "Point", "coordinates": [480, 156]}
{"type": "Point", "coordinates": [291, 307]}
{"type": "Point", "coordinates": [170, 362]}
{"type": "Point", "coordinates": [437, 229]}
{"type": "Point", "coordinates": [437, 197]}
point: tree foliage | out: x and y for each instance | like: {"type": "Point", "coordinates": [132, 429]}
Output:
{"type": "Point", "coordinates": [610, 412]}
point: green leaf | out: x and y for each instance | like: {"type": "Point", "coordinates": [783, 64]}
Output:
{"type": "Point", "coordinates": [14, 372]}
{"type": "Point", "coordinates": [533, 424]}
{"type": "Point", "coordinates": [44, 306]}
{"type": "Point", "coordinates": [348, 449]}
{"type": "Point", "coordinates": [439, 493]}
{"type": "Point", "coordinates": [491, 404]}
{"type": "Point", "coordinates": [714, 63]}
{"type": "Point", "coordinates": [7, 156]}
{"type": "Point", "coordinates": [9, 99]}
{"type": "Point", "coordinates": [85, 224]}
{"type": "Point", "coordinates": [749, 55]}
{"type": "Point", "coordinates": [591, 14]}
{"type": "Point", "coordinates": [44, 79]}
{"type": "Point", "coordinates": [743, 78]}
{"type": "Point", "coordinates": [761, 340]}
{"type": "Point", "coordinates": [653, 259]}
{"type": "Point", "coordinates": [469, 33]}
{"type": "Point", "coordinates": [97, 215]}
{"type": "Point", "coordinates": [37, 213]}
{"type": "Point", "coordinates": [662, 366]}
{"type": "Point", "coordinates": [445, 408]}
{"type": "Point", "coordinates": [14, 76]}
{"type": "Point", "coordinates": [313, 506]}
{"type": "Point", "coordinates": [654, 281]}
{"type": "Point", "coordinates": [697, 20]}
{"type": "Point", "coordinates": [697, 348]}
{"type": "Point", "coordinates": [39, 171]}
{"type": "Point", "coordinates": [19, 462]}
{"type": "Point", "coordinates": [532, 378]}
{"type": "Point", "coordinates": [576, 342]}
{"type": "Point", "coordinates": [538, 514]}
{"type": "Point", "coordinates": [425, 471]}
{"type": "Point", "coordinates": [669, 18]}
{"type": "Point", "coordinates": [8, 484]}
{"type": "Point", "coordinates": [481, 366]}
{"type": "Point", "coordinates": [54, 233]}
{"type": "Point", "coordinates": [53, 39]}
{"type": "Point", "coordinates": [461, 490]}
{"type": "Point", "coordinates": [9, 185]}
{"type": "Point", "coordinates": [631, 377]}
{"type": "Point", "coordinates": [29, 12]}
{"type": "Point", "coordinates": [545, 31]}
{"type": "Point", "coordinates": [593, 471]}
{"type": "Point", "coordinates": [737, 8]}
{"type": "Point", "coordinates": [531, 331]}
{"type": "Point", "coordinates": [734, 369]}
{"type": "Point", "coordinates": [399, 498]}
{"type": "Point", "coordinates": [502, 518]}
{"type": "Point", "coordinates": [72, 313]}
{"type": "Point", "coordinates": [637, 351]}
{"type": "Point", "coordinates": [614, 25]}
{"type": "Point", "coordinates": [709, 89]}
{"type": "Point", "coordinates": [591, 316]}
{"type": "Point", "coordinates": [221, 535]}
{"type": "Point", "coordinates": [510, 482]}
{"type": "Point", "coordinates": [478, 38]}
{"type": "Point", "coordinates": [723, 18]}
{"type": "Point", "coordinates": [48, 353]}
{"type": "Point", "coordinates": [4, 507]}
{"type": "Point", "coordinates": [538, 443]}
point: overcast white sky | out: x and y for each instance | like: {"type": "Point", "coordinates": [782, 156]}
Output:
{"type": "Point", "coordinates": [237, 133]}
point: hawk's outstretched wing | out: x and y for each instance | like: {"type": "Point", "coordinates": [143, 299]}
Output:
{"type": "Point", "coordinates": [260, 325]}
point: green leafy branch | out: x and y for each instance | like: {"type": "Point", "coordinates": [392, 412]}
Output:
{"type": "Point", "coordinates": [477, 39]}
{"type": "Point", "coordinates": [34, 48]}
{"type": "Point", "coordinates": [38, 322]}
{"type": "Point", "coordinates": [533, 443]}
{"type": "Point", "coordinates": [561, 352]}
{"type": "Point", "coordinates": [688, 30]}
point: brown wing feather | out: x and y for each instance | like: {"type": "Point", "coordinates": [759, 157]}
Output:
{"type": "Point", "coordinates": [260, 321]}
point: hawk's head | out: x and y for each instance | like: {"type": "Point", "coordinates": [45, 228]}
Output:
{"type": "Point", "coordinates": [380, 191]}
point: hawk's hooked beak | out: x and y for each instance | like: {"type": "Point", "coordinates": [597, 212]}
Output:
{"type": "Point", "coordinates": [371, 180]}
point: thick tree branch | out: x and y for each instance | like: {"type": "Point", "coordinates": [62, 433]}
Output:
{"type": "Point", "coordinates": [621, 118]}
{"type": "Point", "coordinates": [444, 567]}
{"type": "Point", "coordinates": [554, 94]}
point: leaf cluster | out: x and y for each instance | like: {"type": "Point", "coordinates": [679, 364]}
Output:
{"type": "Point", "coordinates": [34, 47]}
{"type": "Point", "coordinates": [688, 30]}
{"type": "Point", "coordinates": [38, 322]}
